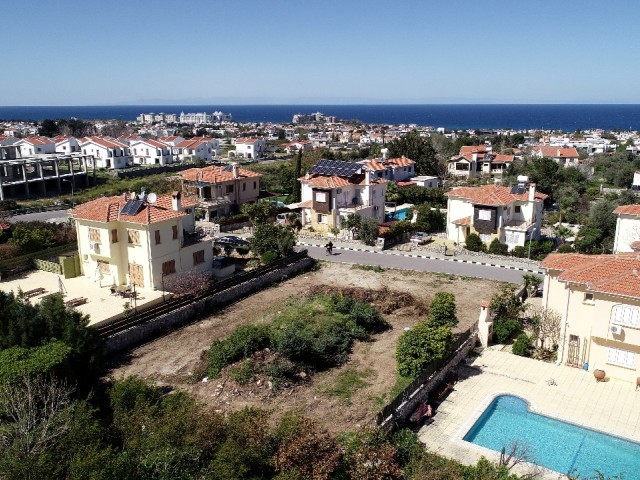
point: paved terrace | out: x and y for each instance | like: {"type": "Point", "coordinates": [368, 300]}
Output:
{"type": "Point", "coordinates": [612, 407]}
{"type": "Point", "coordinates": [101, 304]}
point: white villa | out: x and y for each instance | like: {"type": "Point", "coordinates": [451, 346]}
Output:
{"type": "Point", "coordinates": [151, 152]}
{"type": "Point", "coordinates": [35, 145]}
{"type": "Point", "coordinates": [627, 238]}
{"type": "Point", "coordinates": [332, 190]}
{"type": "Point", "coordinates": [598, 298]}
{"type": "Point", "coordinates": [513, 215]}
{"type": "Point", "coordinates": [393, 169]}
{"type": "Point", "coordinates": [127, 240]}
{"type": "Point", "coordinates": [202, 148]}
{"type": "Point", "coordinates": [249, 148]}
{"type": "Point", "coordinates": [108, 153]}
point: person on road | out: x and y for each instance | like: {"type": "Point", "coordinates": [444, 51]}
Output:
{"type": "Point", "coordinates": [329, 247]}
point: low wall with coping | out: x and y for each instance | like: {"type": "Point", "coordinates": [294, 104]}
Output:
{"type": "Point", "coordinates": [161, 324]}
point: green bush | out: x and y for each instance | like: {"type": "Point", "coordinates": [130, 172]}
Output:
{"type": "Point", "coordinates": [505, 328]}
{"type": "Point", "coordinates": [280, 370]}
{"type": "Point", "coordinates": [368, 231]}
{"type": "Point", "coordinates": [442, 311]}
{"type": "Point", "coordinates": [242, 343]}
{"type": "Point", "coordinates": [242, 250]}
{"type": "Point", "coordinates": [474, 243]}
{"type": "Point", "coordinates": [268, 257]}
{"type": "Point", "coordinates": [522, 346]}
{"type": "Point", "coordinates": [565, 248]}
{"type": "Point", "coordinates": [497, 248]}
{"type": "Point", "coordinates": [519, 252]}
{"type": "Point", "coordinates": [420, 346]}
{"type": "Point", "coordinates": [244, 372]}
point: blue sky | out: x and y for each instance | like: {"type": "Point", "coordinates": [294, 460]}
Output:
{"type": "Point", "coordinates": [67, 52]}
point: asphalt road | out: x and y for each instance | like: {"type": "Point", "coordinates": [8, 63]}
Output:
{"type": "Point", "coordinates": [419, 264]}
{"type": "Point", "coordinates": [60, 216]}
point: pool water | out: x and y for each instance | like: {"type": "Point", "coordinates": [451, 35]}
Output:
{"type": "Point", "coordinates": [399, 214]}
{"type": "Point", "coordinates": [551, 443]}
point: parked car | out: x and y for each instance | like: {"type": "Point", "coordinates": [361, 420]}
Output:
{"type": "Point", "coordinates": [420, 238]}
{"type": "Point", "coordinates": [231, 240]}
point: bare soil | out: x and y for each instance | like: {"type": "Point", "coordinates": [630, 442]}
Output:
{"type": "Point", "coordinates": [178, 360]}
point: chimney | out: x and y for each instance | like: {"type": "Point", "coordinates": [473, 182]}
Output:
{"type": "Point", "coordinates": [557, 152]}
{"type": "Point", "coordinates": [234, 169]}
{"type": "Point", "coordinates": [532, 192]}
{"type": "Point", "coordinates": [474, 156]}
{"type": "Point", "coordinates": [367, 177]}
{"type": "Point", "coordinates": [176, 203]}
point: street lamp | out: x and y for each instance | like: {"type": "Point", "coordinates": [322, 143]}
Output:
{"type": "Point", "coordinates": [70, 183]}
{"type": "Point", "coordinates": [531, 238]}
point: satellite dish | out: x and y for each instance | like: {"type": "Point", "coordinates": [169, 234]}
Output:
{"type": "Point", "coordinates": [152, 197]}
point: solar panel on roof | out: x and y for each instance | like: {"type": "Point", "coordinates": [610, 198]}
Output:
{"type": "Point", "coordinates": [518, 189]}
{"type": "Point", "coordinates": [132, 207]}
{"type": "Point", "coordinates": [337, 168]}
{"type": "Point", "coordinates": [228, 168]}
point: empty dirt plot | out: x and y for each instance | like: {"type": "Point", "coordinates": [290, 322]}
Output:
{"type": "Point", "coordinates": [340, 398]}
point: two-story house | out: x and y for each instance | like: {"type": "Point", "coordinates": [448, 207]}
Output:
{"type": "Point", "coordinates": [393, 169]}
{"type": "Point", "coordinates": [480, 160]}
{"type": "Point", "coordinates": [249, 148]}
{"type": "Point", "coordinates": [201, 148]}
{"type": "Point", "coordinates": [66, 144]}
{"type": "Point", "coordinates": [332, 190]}
{"type": "Point", "coordinates": [128, 240]}
{"type": "Point", "coordinates": [150, 152]}
{"type": "Point", "coordinates": [35, 145]}
{"type": "Point", "coordinates": [108, 153]}
{"type": "Point", "coordinates": [627, 238]}
{"type": "Point", "coordinates": [598, 299]}
{"type": "Point", "coordinates": [221, 190]}
{"type": "Point", "coordinates": [564, 156]}
{"type": "Point", "coordinates": [513, 215]}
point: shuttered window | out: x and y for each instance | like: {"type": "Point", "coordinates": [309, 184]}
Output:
{"type": "Point", "coordinates": [626, 315]}
{"type": "Point", "coordinates": [133, 236]}
{"type": "Point", "coordinates": [158, 237]}
{"type": "Point", "coordinates": [623, 358]}
{"type": "Point", "coordinates": [94, 235]}
{"type": "Point", "coordinates": [198, 257]}
{"type": "Point", "coordinates": [169, 267]}
{"type": "Point", "coordinates": [175, 232]}
{"type": "Point", "coordinates": [114, 235]}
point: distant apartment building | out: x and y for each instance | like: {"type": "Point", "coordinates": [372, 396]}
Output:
{"type": "Point", "coordinates": [156, 117]}
{"type": "Point", "coordinates": [201, 118]}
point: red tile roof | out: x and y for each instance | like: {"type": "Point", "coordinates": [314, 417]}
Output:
{"type": "Point", "coordinates": [37, 140]}
{"type": "Point", "coordinates": [470, 149]}
{"type": "Point", "coordinates": [103, 142]}
{"type": "Point", "coordinates": [332, 181]}
{"type": "Point", "coordinates": [215, 174]}
{"type": "Point", "coordinates": [149, 141]}
{"type": "Point", "coordinates": [400, 161]}
{"type": "Point", "coordinates": [463, 221]}
{"type": "Point", "coordinates": [499, 158]}
{"type": "Point", "coordinates": [247, 140]}
{"type": "Point", "coordinates": [106, 209]}
{"type": "Point", "coordinates": [610, 274]}
{"type": "Point", "coordinates": [628, 210]}
{"type": "Point", "coordinates": [556, 152]}
{"type": "Point", "coordinates": [494, 195]}
{"type": "Point", "coordinates": [193, 142]}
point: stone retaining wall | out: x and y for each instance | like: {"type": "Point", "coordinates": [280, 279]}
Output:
{"type": "Point", "coordinates": [139, 334]}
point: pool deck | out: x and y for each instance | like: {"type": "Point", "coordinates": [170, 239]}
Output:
{"type": "Point", "coordinates": [612, 407]}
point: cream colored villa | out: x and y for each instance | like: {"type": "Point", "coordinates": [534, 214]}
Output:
{"type": "Point", "coordinates": [598, 297]}
{"type": "Point", "coordinates": [128, 240]}
{"type": "Point", "coordinates": [511, 214]}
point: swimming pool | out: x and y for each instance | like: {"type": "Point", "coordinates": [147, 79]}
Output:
{"type": "Point", "coordinates": [397, 214]}
{"type": "Point", "coordinates": [554, 444]}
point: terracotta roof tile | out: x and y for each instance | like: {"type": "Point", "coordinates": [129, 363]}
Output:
{"type": "Point", "coordinates": [610, 274]}
{"type": "Point", "coordinates": [494, 195]}
{"type": "Point", "coordinates": [556, 152]}
{"type": "Point", "coordinates": [215, 174]}
{"type": "Point", "coordinates": [107, 209]}
{"type": "Point", "coordinates": [627, 210]}
{"type": "Point", "coordinates": [462, 221]}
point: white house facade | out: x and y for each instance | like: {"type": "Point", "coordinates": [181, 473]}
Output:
{"type": "Point", "coordinates": [627, 237]}
{"type": "Point", "coordinates": [108, 153]}
{"type": "Point", "coordinates": [151, 152]}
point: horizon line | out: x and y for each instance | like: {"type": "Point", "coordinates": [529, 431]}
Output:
{"type": "Point", "coordinates": [312, 104]}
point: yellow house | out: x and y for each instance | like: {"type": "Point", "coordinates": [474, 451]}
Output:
{"type": "Point", "coordinates": [598, 298]}
{"type": "Point", "coordinates": [130, 240]}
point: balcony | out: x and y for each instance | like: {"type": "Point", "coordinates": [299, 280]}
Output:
{"type": "Point", "coordinates": [191, 238]}
{"type": "Point", "coordinates": [520, 225]}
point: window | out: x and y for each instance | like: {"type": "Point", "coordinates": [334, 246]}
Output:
{"type": "Point", "coordinates": [244, 186]}
{"type": "Point", "coordinates": [517, 209]}
{"type": "Point", "coordinates": [198, 257]}
{"type": "Point", "coordinates": [485, 237]}
{"type": "Point", "coordinates": [321, 197]}
{"type": "Point", "coordinates": [94, 235]}
{"type": "Point", "coordinates": [133, 237]}
{"type": "Point", "coordinates": [175, 232]}
{"type": "Point", "coordinates": [621, 357]}
{"type": "Point", "coordinates": [158, 242]}
{"type": "Point", "coordinates": [103, 267]}
{"type": "Point", "coordinates": [169, 267]}
{"type": "Point", "coordinates": [229, 189]}
{"type": "Point", "coordinates": [588, 297]}
{"type": "Point", "coordinates": [255, 185]}
{"type": "Point", "coordinates": [484, 214]}
{"type": "Point", "coordinates": [626, 315]}
{"type": "Point", "coordinates": [114, 235]}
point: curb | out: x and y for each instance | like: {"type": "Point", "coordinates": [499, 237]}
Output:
{"type": "Point", "coordinates": [426, 257]}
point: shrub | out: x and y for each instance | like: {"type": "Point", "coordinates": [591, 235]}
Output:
{"type": "Point", "coordinates": [565, 248]}
{"type": "Point", "coordinates": [474, 243]}
{"type": "Point", "coordinates": [368, 231]}
{"type": "Point", "coordinates": [242, 343]}
{"type": "Point", "coordinates": [505, 328]}
{"type": "Point", "coordinates": [421, 345]}
{"type": "Point", "coordinates": [497, 248]}
{"type": "Point", "coordinates": [244, 372]}
{"type": "Point", "coordinates": [519, 252]}
{"type": "Point", "coordinates": [242, 250]}
{"type": "Point", "coordinates": [279, 370]}
{"type": "Point", "coordinates": [522, 346]}
{"type": "Point", "coordinates": [268, 257]}
{"type": "Point", "coordinates": [442, 311]}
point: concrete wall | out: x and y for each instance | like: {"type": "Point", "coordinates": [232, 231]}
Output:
{"type": "Point", "coordinates": [205, 307]}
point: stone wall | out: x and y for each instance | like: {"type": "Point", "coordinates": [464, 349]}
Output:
{"type": "Point", "coordinates": [197, 310]}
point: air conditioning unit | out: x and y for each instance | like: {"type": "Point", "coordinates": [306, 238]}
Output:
{"type": "Point", "coordinates": [616, 329]}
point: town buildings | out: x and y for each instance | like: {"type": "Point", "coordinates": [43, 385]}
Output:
{"type": "Point", "coordinates": [513, 215]}
{"type": "Point", "coordinates": [598, 300]}
{"type": "Point", "coordinates": [138, 240]}
{"type": "Point", "coordinates": [332, 190]}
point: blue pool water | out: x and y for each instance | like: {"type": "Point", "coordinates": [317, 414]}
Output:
{"type": "Point", "coordinates": [399, 214]}
{"type": "Point", "coordinates": [557, 445]}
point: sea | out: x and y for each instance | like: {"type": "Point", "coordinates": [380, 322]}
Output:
{"type": "Point", "coordinates": [564, 117]}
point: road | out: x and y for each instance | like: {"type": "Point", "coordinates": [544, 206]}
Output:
{"type": "Point", "coordinates": [57, 216]}
{"type": "Point", "coordinates": [419, 264]}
